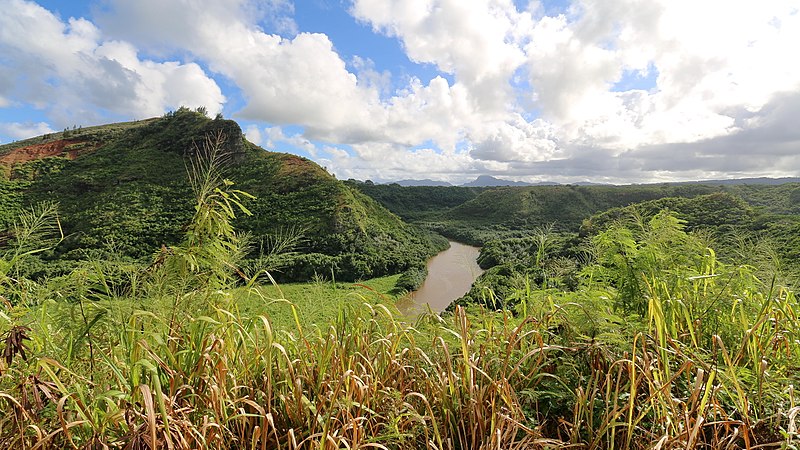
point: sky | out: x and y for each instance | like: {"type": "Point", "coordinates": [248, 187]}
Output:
{"type": "Point", "coordinates": [607, 91]}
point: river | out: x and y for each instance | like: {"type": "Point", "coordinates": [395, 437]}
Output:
{"type": "Point", "coordinates": [450, 276]}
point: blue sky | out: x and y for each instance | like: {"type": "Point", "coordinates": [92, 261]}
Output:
{"type": "Point", "coordinates": [616, 91]}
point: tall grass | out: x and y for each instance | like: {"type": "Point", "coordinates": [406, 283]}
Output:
{"type": "Point", "coordinates": [478, 379]}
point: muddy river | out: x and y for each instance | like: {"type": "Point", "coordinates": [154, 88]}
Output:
{"type": "Point", "coordinates": [450, 276]}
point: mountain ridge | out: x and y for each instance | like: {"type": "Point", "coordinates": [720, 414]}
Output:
{"type": "Point", "coordinates": [491, 181]}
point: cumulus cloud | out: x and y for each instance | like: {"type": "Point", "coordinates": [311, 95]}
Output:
{"type": "Point", "coordinates": [370, 77]}
{"type": "Point", "coordinates": [285, 80]}
{"type": "Point", "coordinates": [518, 141]}
{"type": "Point", "coordinates": [68, 70]}
{"type": "Point", "coordinates": [612, 90]}
{"type": "Point", "coordinates": [302, 79]}
{"type": "Point", "coordinates": [713, 61]}
{"type": "Point", "coordinates": [473, 40]}
{"type": "Point", "coordinates": [253, 134]}
{"type": "Point", "coordinates": [276, 135]}
{"type": "Point", "coordinates": [718, 65]}
{"type": "Point", "coordinates": [17, 130]}
{"type": "Point", "coordinates": [398, 161]}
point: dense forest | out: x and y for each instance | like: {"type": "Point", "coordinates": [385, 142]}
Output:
{"type": "Point", "coordinates": [167, 284]}
{"type": "Point", "coordinates": [124, 189]}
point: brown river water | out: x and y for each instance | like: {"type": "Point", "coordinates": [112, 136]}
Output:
{"type": "Point", "coordinates": [450, 276]}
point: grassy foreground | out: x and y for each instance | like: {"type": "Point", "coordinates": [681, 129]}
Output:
{"type": "Point", "coordinates": [198, 370]}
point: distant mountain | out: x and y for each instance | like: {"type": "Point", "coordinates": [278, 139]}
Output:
{"type": "Point", "coordinates": [589, 183]}
{"type": "Point", "coordinates": [425, 182]}
{"type": "Point", "coordinates": [490, 181]}
{"type": "Point", "coordinates": [761, 180]}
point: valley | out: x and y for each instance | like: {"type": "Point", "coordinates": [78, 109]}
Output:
{"type": "Point", "coordinates": [166, 283]}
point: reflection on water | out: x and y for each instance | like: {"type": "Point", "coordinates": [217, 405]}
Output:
{"type": "Point", "coordinates": [450, 276]}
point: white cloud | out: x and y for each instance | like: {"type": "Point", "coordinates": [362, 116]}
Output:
{"type": "Point", "coordinates": [18, 130]}
{"type": "Point", "coordinates": [397, 162]}
{"type": "Point", "coordinates": [302, 80]}
{"type": "Point", "coordinates": [253, 134]}
{"type": "Point", "coordinates": [714, 59]}
{"type": "Point", "coordinates": [519, 141]}
{"type": "Point", "coordinates": [472, 40]}
{"type": "Point", "coordinates": [298, 80]}
{"type": "Point", "coordinates": [275, 136]}
{"type": "Point", "coordinates": [437, 111]}
{"type": "Point", "coordinates": [540, 91]}
{"type": "Point", "coordinates": [370, 77]}
{"type": "Point", "coordinates": [67, 69]}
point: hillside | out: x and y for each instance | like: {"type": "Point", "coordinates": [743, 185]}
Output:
{"type": "Point", "coordinates": [563, 206]}
{"type": "Point", "coordinates": [477, 215]}
{"type": "Point", "coordinates": [720, 210]}
{"type": "Point", "coordinates": [734, 225]}
{"type": "Point", "coordinates": [123, 188]}
{"type": "Point", "coordinates": [417, 203]}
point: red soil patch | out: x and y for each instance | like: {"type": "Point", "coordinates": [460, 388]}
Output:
{"type": "Point", "coordinates": [293, 160]}
{"type": "Point", "coordinates": [44, 150]}
{"type": "Point", "coordinates": [295, 165]}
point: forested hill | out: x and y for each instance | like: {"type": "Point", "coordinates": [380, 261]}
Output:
{"type": "Point", "coordinates": [562, 206]}
{"type": "Point", "coordinates": [479, 215]}
{"type": "Point", "coordinates": [124, 189]}
{"type": "Point", "coordinates": [417, 203]}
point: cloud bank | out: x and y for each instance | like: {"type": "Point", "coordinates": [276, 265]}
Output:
{"type": "Point", "coordinates": [68, 69]}
{"type": "Point", "coordinates": [612, 90]}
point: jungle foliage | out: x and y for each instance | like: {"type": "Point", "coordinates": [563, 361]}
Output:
{"type": "Point", "coordinates": [123, 189]}
{"type": "Point", "coordinates": [514, 224]}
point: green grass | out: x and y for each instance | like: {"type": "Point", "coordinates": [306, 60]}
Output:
{"type": "Point", "coordinates": [234, 369]}
{"type": "Point", "coordinates": [316, 303]}
{"type": "Point", "coordinates": [662, 346]}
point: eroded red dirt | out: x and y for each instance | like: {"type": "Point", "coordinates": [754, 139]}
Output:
{"type": "Point", "coordinates": [62, 147]}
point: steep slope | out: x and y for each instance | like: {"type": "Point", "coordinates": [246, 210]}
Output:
{"type": "Point", "coordinates": [563, 206]}
{"type": "Point", "coordinates": [416, 203]}
{"type": "Point", "coordinates": [720, 210]}
{"type": "Point", "coordinates": [125, 187]}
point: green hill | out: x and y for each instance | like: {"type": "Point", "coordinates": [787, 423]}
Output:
{"type": "Point", "coordinates": [720, 210]}
{"type": "Point", "coordinates": [417, 203]}
{"type": "Point", "coordinates": [563, 206]}
{"type": "Point", "coordinates": [735, 225]}
{"type": "Point", "coordinates": [125, 188]}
